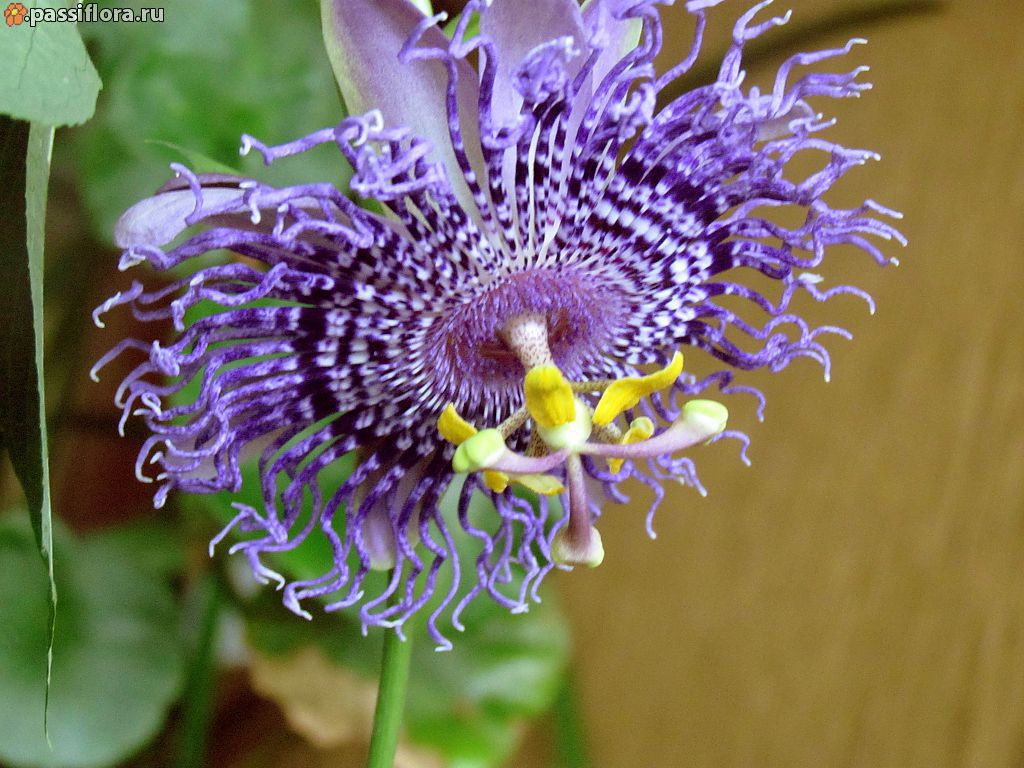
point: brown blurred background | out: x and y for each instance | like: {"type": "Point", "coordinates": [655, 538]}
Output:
{"type": "Point", "coordinates": [856, 597]}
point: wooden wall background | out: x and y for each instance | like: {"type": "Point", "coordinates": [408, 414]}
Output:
{"type": "Point", "coordinates": [856, 598]}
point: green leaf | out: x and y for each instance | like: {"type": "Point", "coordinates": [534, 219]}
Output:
{"type": "Point", "coordinates": [48, 75]}
{"type": "Point", "coordinates": [209, 73]}
{"type": "Point", "coordinates": [197, 161]}
{"type": "Point", "coordinates": [117, 662]}
{"type": "Point", "coordinates": [25, 163]}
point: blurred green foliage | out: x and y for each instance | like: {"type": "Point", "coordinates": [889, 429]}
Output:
{"type": "Point", "coordinates": [209, 73]}
{"type": "Point", "coordinates": [468, 704]}
{"type": "Point", "coordinates": [117, 652]}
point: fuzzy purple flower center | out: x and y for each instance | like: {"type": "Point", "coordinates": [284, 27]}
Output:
{"type": "Point", "coordinates": [581, 316]}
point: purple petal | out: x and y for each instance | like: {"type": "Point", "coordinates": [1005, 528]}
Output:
{"type": "Point", "coordinates": [206, 180]}
{"type": "Point", "coordinates": [516, 463]}
{"type": "Point", "coordinates": [157, 220]}
{"type": "Point", "coordinates": [516, 27]}
{"type": "Point", "coordinates": [615, 36]}
{"type": "Point", "coordinates": [700, 421]}
{"type": "Point", "coordinates": [363, 39]}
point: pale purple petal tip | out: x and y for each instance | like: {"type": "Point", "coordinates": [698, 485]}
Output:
{"type": "Point", "coordinates": [157, 220]}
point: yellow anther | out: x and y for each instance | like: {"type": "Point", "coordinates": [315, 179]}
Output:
{"type": "Point", "coordinates": [454, 428]}
{"type": "Point", "coordinates": [549, 397]}
{"type": "Point", "coordinates": [640, 429]}
{"type": "Point", "coordinates": [626, 393]}
{"type": "Point", "coordinates": [545, 485]}
{"type": "Point", "coordinates": [495, 480]}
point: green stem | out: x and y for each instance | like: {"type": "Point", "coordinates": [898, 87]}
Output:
{"type": "Point", "coordinates": [197, 707]}
{"type": "Point", "coordinates": [387, 719]}
{"type": "Point", "coordinates": [570, 739]}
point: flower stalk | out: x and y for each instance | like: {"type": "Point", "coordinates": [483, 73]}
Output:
{"type": "Point", "coordinates": [387, 717]}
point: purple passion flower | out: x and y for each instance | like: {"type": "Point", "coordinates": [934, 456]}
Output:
{"type": "Point", "coordinates": [541, 228]}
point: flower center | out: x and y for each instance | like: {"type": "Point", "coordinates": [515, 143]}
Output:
{"type": "Point", "coordinates": [475, 354]}
{"type": "Point", "coordinates": [560, 418]}
{"type": "Point", "coordinates": [562, 427]}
